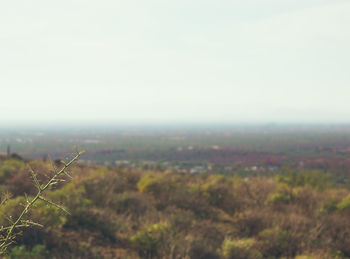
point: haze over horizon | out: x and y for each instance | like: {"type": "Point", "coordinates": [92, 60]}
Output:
{"type": "Point", "coordinates": [175, 61]}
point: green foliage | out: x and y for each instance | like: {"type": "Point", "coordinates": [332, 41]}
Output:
{"type": "Point", "coordinates": [20, 252]}
{"type": "Point", "coordinates": [314, 178]}
{"type": "Point", "coordinates": [202, 249]}
{"type": "Point", "coordinates": [332, 205]}
{"type": "Point", "coordinates": [218, 191]}
{"type": "Point", "coordinates": [328, 207]}
{"type": "Point", "coordinates": [5, 172]}
{"type": "Point", "coordinates": [22, 218]}
{"type": "Point", "coordinates": [11, 210]}
{"type": "Point", "coordinates": [71, 195]}
{"type": "Point", "coordinates": [279, 198]}
{"type": "Point", "coordinates": [239, 249]}
{"type": "Point", "coordinates": [94, 221]}
{"type": "Point", "coordinates": [150, 239]}
{"type": "Point", "coordinates": [130, 203]}
{"type": "Point", "coordinates": [344, 205]}
{"type": "Point", "coordinates": [112, 212]}
{"type": "Point", "coordinates": [14, 173]}
{"type": "Point", "coordinates": [150, 183]}
{"type": "Point", "coordinates": [339, 255]}
{"type": "Point", "coordinates": [283, 195]}
{"type": "Point", "coordinates": [48, 215]}
{"type": "Point", "coordinates": [9, 167]}
{"type": "Point", "coordinates": [102, 184]}
{"type": "Point", "coordinates": [274, 242]}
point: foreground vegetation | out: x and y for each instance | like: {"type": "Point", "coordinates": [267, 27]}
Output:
{"type": "Point", "coordinates": [116, 213]}
{"type": "Point", "coordinates": [8, 233]}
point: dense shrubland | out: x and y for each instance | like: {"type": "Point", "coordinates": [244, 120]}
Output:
{"type": "Point", "coordinates": [117, 213]}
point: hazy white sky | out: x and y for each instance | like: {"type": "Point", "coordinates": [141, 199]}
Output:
{"type": "Point", "coordinates": [175, 60]}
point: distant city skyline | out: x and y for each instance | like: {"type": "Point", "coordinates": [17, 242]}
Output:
{"type": "Point", "coordinates": [168, 62]}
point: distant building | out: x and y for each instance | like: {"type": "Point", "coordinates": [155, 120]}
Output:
{"type": "Point", "coordinates": [198, 169]}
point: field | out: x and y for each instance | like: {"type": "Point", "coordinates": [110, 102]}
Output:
{"type": "Point", "coordinates": [184, 148]}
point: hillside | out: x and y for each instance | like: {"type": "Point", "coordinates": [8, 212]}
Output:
{"type": "Point", "coordinates": [132, 213]}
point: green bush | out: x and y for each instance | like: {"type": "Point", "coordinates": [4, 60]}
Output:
{"type": "Point", "coordinates": [344, 205]}
{"type": "Point", "coordinates": [130, 203]}
{"type": "Point", "coordinates": [5, 172]}
{"type": "Point", "coordinates": [202, 249]}
{"type": "Point", "coordinates": [51, 217]}
{"type": "Point", "coordinates": [96, 222]}
{"type": "Point", "coordinates": [218, 192]}
{"type": "Point", "coordinates": [73, 196]}
{"type": "Point", "coordinates": [103, 184]}
{"type": "Point", "coordinates": [10, 166]}
{"type": "Point", "coordinates": [20, 252]}
{"type": "Point", "coordinates": [314, 178]}
{"type": "Point", "coordinates": [283, 195]}
{"type": "Point", "coordinates": [239, 249]}
{"type": "Point", "coordinates": [328, 207]}
{"type": "Point", "coordinates": [48, 215]}
{"type": "Point", "coordinates": [274, 242]}
{"type": "Point", "coordinates": [15, 174]}
{"type": "Point", "coordinates": [151, 183]}
{"type": "Point", "coordinates": [151, 239]}
{"type": "Point", "coordinates": [11, 209]}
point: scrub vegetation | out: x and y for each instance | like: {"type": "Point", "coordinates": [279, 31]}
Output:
{"type": "Point", "coordinates": [134, 213]}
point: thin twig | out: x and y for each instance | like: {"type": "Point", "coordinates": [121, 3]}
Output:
{"type": "Point", "coordinates": [19, 222]}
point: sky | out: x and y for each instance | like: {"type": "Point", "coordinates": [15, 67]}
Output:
{"type": "Point", "coordinates": [169, 61]}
